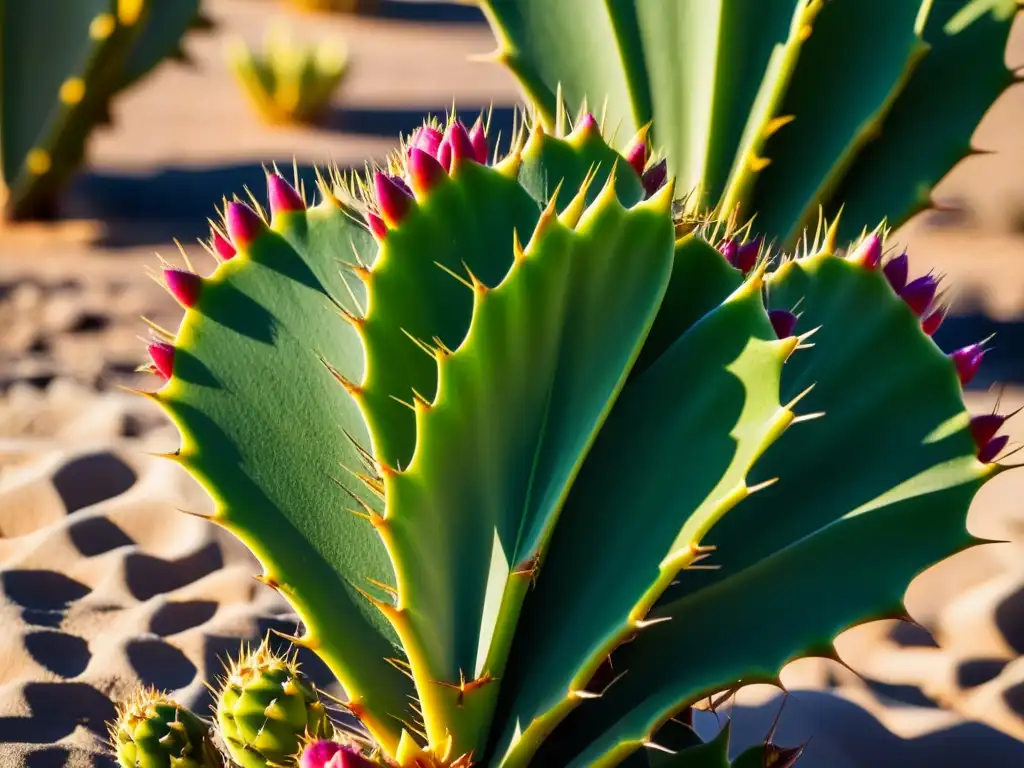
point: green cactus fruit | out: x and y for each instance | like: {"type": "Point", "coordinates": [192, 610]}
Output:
{"type": "Point", "coordinates": [153, 731]}
{"type": "Point", "coordinates": [735, 91]}
{"type": "Point", "coordinates": [287, 82]}
{"type": "Point", "coordinates": [267, 709]}
{"type": "Point", "coordinates": [504, 429]}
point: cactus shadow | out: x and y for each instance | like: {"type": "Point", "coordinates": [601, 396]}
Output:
{"type": "Point", "coordinates": [427, 11]}
{"type": "Point", "coordinates": [237, 312]}
{"type": "Point", "coordinates": [192, 370]}
{"type": "Point", "coordinates": [57, 709]}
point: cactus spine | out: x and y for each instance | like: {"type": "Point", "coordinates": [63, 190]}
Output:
{"type": "Point", "coordinates": [153, 731]}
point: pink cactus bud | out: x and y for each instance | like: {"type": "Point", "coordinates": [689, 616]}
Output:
{"type": "Point", "coordinates": [282, 195]}
{"type": "Point", "coordinates": [868, 253]}
{"type": "Point", "coordinates": [348, 757]}
{"type": "Point", "coordinates": [896, 271]}
{"type": "Point", "coordinates": [932, 322]}
{"type": "Point", "coordinates": [479, 140]}
{"type": "Point", "coordinates": [587, 124]}
{"type": "Point", "coordinates": [746, 255]}
{"type": "Point", "coordinates": [377, 226]}
{"type": "Point", "coordinates": [424, 171]}
{"type": "Point", "coordinates": [783, 322]}
{"type": "Point", "coordinates": [244, 224]}
{"type": "Point", "coordinates": [184, 286]}
{"type": "Point", "coordinates": [393, 197]}
{"type": "Point", "coordinates": [636, 153]}
{"type": "Point", "coordinates": [919, 293]}
{"type": "Point", "coordinates": [461, 145]}
{"type": "Point", "coordinates": [444, 155]}
{"type": "Point", "coordinates": [162, 355]}
{"type": "Point", "coordinates": [318, 754]}
{"type": "Point", "coordinates": [967, 361]}
{"type": "Point", "coordinates": [221, 245]}
{"type": "Point", "coordinates": [992, 449]}
{"type": "Point", "coordinates": [654, 178]}
{"type": "Point", "coordinates": [426, 139]}
{"type": "Point", "coordinates": [984, 427]}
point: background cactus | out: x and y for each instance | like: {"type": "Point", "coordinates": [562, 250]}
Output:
{"type": "Point", "coordinates": [288, 82]}
{"type": "Point", "coordinates": [542, 431]}
{"type": "Point", "coordinates": [62, 62]}
{"type": "Point", "coordinates": [153, 731]}
{"type": "Point", "coordinates": [336, 6]}
{"type": "Point", "coordinates": [778, 106]}
{"type": "Point", "coordinates": [266, 708]}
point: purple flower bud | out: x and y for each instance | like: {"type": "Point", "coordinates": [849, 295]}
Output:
{"type": "Point", "coordinates": [283, 197]}
{"type": "Point", "coordinates": [746, 255]}
{"type": "Point", "coordinates": [896, 271]}
{"type": "Point", "coordinates": [318, 754]}
{"type": "Point", "coordinates": [221, 245]}
{"type": "Point", "coordinates": [919, 294]}
{"type": "Point", "coordinates": [377, 226]}
{"type": "Point", "coordinates": [967, 361]}
{"type": "Point", "coordinates": [478, 138]}
{"type": "Point", "coordinates": [654, 178]}
{"type": "Point", "coordinates": [984, 427]}
{"type": "Point", "coordinates": [244, 224]}
{"type": "Point", "coordinates": [424, 171]}
{"type": "Point", "coordinates": [783, 322]}
{"type": "Point", "coordinates": [184, 286]}
{"type": "Point", "coordinates": [992, 449]}
{"type": "Point", "coordinates": [868, 253]}
{"type": "Point", "coordinates": [461, 145]}
{"type": "Point", "coordinates": [636, 153]}
{"type": "Point", "coordinates": [931, 323]}
{"type": "Point", "coordinates": [162, 355]}
{"type": "Point", "coordinates": [426, 139]}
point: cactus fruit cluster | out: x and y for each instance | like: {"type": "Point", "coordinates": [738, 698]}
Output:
{"type": "Point", "coordinates": [266, 709]}
{"type": "Point", "coordinates": [542, 457]}
{"type": "Point", "coordinates": [154, 731]}
{"type": "Point", "coordinates": [288, 82]}
{"type": "Point", "coordinates": [775, 106]}
{"type": "Point", "coordinates": [62, 63]}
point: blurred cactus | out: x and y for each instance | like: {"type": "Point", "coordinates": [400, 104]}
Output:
{"type": "Point", "coordinates": [57, 79]}
{"type": "Point", "coordinates": [288, 82]}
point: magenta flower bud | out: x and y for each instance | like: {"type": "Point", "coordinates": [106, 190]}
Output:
{"type": "Point", "coordinates": [318, 754]}
{"type": "Point", "coordinates": [424, 171]}
{"type": "Point", "coordinates": [868, 253]}
{"type": "Point", "coordinates": [783, 322]}
{"type": "Point", "coordinates": [636, 153]}
{"type": "Point", "coordinates": [444, 155]}
{"type": "Point", "coordinates": [655, 177]}
{"type": "Point", "coordinates": [348, 757]}
{"type": "Point", "coordinates": [992, 449]}
{"type": "Point", "coordinates": [426, 139]}
{"type": "Point", "coordinates": [729, 248]}
{"type": "Point", "coordinates": [221, 245]}
{"type": "Point", "coordinates": [478, 138]}
{"type": "Point", "coordinates": [984, 427]}
{"type": "Point", "coordinates": [896, 271]}
{"type": "Point", "coordinates": [461, 145]}
{"type": "Point", "coordinates": [282, 195]}
{"type": "Point", "coordinates": [919, 293]}
{"type": "Point", "coordinates": [162, 355]}
{"type": "Point", "coordinates": [377, 226]}
{"type": "Point", "coordinates": [931, 323]}
{"type": "Point", "coordinates": [967, 361]}
{"type": "Point", "coordinates": [244, 224]}
{"type": "Point", "coordinates": [184, 286]}
{"type": "Point", "coordinates": [393, 197]}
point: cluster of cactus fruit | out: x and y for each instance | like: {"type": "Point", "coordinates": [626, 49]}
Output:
{"type": "Point", "coordinates": [63, 62]}
{"type": "Point", "coordinates": [288, 82]}
{"type": "Point", "coordinates": [538, 456]}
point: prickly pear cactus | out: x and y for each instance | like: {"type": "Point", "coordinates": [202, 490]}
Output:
{"type": "Point", "coordinates": [266, 708]}
{"type": "Point", "coordinates": [61, 63]}
{"type": "Point", "coordinates": [288, 82]}
{"type": "Point", "coordinates": [504, 430]}
{"type": "Point", "coordinates": [735, 90]}
{"type": "Point", "coordinates": [153, 731]}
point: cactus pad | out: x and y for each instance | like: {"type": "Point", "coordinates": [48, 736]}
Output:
{"type": "Point", "coordinates": [503, 428]}
{"type": "Point", "coordinates": [735, 92]}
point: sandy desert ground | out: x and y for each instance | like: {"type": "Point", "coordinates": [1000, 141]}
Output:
{"type": "Point", "coordinates": [105, 584]}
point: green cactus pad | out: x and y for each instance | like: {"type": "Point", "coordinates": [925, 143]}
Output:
{"type": "Point", "coordinates": [511, 446]}
{"type": "Point", "coordinates": [152, 731]}
{"type": "Point", "coordinates": [779, 105]}
{"type": "Point", "coordinates": [267, 710]}
{"type": "Point", "coordinates": [163, 27]}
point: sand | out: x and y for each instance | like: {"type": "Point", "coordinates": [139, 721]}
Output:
{"type": "Point", "coordinates": [105, 584]}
